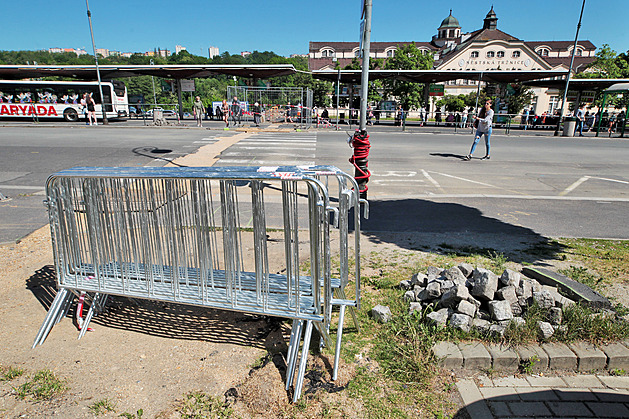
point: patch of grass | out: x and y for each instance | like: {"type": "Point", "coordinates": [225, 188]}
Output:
{"type": "Point", "coordinates": [10, 373]}
{"type": "Point", "coordinates": [617, 372]}
{"type": "Point", "coordinates": [607, 258]}
{"type": "Point", "coordinates": [137, 415]}
{"type": "Point", "coordinates": [43, 386]}
{"type": "Point", "coordinates": [583, 323]}
{"type": "Point", "coordinates": [101, 407]}
{"type": "Point", "coordinates": [527, 366]}
{"type": "Point", "coordinates": [582, 275]}
{"type": "Point", "coordinates": [201, 405]}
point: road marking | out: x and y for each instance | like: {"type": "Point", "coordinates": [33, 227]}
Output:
{"type": "Point", "coordinates": [431, 180]}
{"type": "Point", "coordinates": [395, 173]}
{"type": "Point", "coordinates": [385, 181]}
{"type": "Point", "coordinates": [465, 180]}
{"type": "Point", "coordinates": [528, 197]}
{"type": "Point", "coordinates": [610, 180]}
{"type": "Point", "coordinates": [573, 186]}
{"type": "Point", "coordinates": [268, 162]}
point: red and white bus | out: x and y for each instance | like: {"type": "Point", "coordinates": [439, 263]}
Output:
{"type": "Point", "coordinates": [60, 99]}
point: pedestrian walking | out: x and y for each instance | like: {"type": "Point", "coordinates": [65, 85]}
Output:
{"type": "Point", "coordinates": [225, 111]}
{"type": "Point", "coordinates": [91, 109]}
{"type": "Point", "coordinates": [236, 112]}
{"type": "Point", "coordinates": [580, 120]}
{"type": "Point", "coordinates": [198, 110]}
{"type": "Point", "coordinates": [485, 119]}
{"type": "Point", "coordinates": [257, 111]}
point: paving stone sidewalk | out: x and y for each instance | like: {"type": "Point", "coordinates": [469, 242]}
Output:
{"type": "Point", "coordinates": [578, 396]}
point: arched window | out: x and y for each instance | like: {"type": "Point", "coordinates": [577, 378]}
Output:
{"type": "Point", "coordinates": [543, 52]}
{"type": "Point", "coordinates": [500, 54]}
{"type": "Point", "coordinates": [474, 54]}
{"type": "Point", "coordinates": [579, 52]}
{"type": "Point", "coordinates": [516, 54]}
{"type": "Point", "coordinates": [328, 52]}
{"type": "Point", "coordinates": [390, 52]}
{"type": "Point", "coordinates": [490, 54]}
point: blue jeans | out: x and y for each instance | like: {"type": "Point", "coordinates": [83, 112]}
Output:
{"type": "Point", "coordinates": [477, 137]}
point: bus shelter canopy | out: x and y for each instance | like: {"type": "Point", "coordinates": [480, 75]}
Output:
{"type": "Point", "coordinates": [88, 72]}
{"type": "Point", "coordinates": [577, 84]}
{"type": "Point", "coordinates": [436, 76]}
{"type": "Point", "coordinates": [617, 88]}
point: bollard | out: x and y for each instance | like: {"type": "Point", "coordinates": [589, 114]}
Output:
{"type": "Point", "coordinates": [360, 160]}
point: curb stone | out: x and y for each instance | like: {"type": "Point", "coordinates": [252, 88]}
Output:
{"type": "Point", "coordinates": [578, 356]}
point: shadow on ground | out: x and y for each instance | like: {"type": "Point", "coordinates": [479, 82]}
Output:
{"type": "Point", "coordinates": [418, 224]}
{"type": "Point", "coordinates": [550, 404]}
{"type": "Point", "coordinates": [173, 321]}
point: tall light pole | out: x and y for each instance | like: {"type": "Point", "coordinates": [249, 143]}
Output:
{"type": "Point", "coordinates": [100, 86]}
{"type": "Point", "coordinates": [574, 50]}
{"type": "Point", "coordinates": [364, 82]}
{"type": "Point", "coordinates": [153, 80]}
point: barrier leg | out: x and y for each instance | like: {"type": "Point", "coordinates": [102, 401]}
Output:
{"type": "Point", "coordinates": [59, 305]}
{"type": "Point", "coordinates": [352, 310]}
{"type": "Point", "coordinates": [339, 337]}
{"type": "Point", "coordinates": [97, 303]}
{"type": "Point", "coordinates": [302, 362]}
{"type": "Point", "coordinates": [293, 351]}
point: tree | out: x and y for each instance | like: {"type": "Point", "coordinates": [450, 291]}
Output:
{"type": "Point", "coordinates": [408, 57]}
{"type": "Point", "coordinates": [520, 97]}
{"type": "Point", "coordinates": [607, 65]}
{"type": "Point", "coordinates": [452, 103]}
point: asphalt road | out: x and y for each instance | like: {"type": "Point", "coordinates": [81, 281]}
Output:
{"type": "Point", "coordinates": [534, 184]}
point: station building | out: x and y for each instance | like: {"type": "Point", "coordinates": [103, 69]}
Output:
{"type": "Point", "coordinates": [487, 48]}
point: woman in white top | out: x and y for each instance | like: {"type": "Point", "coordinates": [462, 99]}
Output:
{"type": "Point", "coordinates": [485, 119]}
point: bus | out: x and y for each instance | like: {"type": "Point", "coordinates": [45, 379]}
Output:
{"type": "Point", "coordinates": [60, 99]}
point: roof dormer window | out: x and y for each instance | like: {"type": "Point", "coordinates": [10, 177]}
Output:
{"type": "Point", "coordinates": [328, 53]}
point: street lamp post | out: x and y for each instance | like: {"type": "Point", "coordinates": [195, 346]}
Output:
{"type": "Point", "coordinates": [153, 80]}
{"type": "Point", "coordinates": [574, 50]}
{"type": "Point", "coordinates": [100, 86]}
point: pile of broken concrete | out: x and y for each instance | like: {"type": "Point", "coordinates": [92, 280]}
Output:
{"type": "Point", "coordinates": [465, 297]}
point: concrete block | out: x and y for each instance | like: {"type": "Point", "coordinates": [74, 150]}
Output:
{"type": "Point", "coordinates": [609, 410]}
{"type": "Point", "coordinates": [580, 381]}
{"type": "Point", "coordinates": [615, 382]}
{"type": "Point", "coordinates": [475, 356]}
{"type": "Point", "coordinates": [448, 355]}
{"type": "Point", "coordinates": [529, 409]}
{"type": "Point", "coordinates": [589, 358]}
{"type": "Point", "coordinates": [529, 352]}
{"type": "Point", "coordinates": [534, 394]}
{"type": "Point", "coordinates": [551, 382]}
{"type": "Point", "coordinates": [560, 357]}
{"type": "Point", "coordinates": [617, 356]}
{"type": "Point", "coordinates": [503, 358]}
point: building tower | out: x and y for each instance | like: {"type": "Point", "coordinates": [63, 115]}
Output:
{"type": "Point", "coordinates": [491, 21]}
{"type": "Point", "coordinates": [448, 32]}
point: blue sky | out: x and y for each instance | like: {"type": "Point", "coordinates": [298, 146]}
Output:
{"type": "Point", "coordinates": [286, 27]}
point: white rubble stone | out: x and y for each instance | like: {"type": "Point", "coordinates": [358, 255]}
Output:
{"type": "Point", "coordinates": [419, 279]}
{"type": "Point", "coordinates": [439, 317]}
{"type": "Point", "coordinates": [418, 292]}
{"type": "Point", "coordinates": [433, 271]}
{"type": "Point", "coordinates": [455, 275]}
{"type": "Point", "coordinates": [381, 313]}
{"type": "Point", "coordinates": [544, 299]}
{"type": "Point", "coordinates": [481, 314]}
{"type": "Point", "coordinates": [510, 277]}
{"type": "Point", "coordinates": [466, 269]}
{"type": "Point", "coordinates": [414, 307]}
{"type": "Point", "coordinates": [453, 296]}
{"type": "Point", "coordinates": [409, 296]}
{"type": "Point", "coordinates": [485, 284]}
{"type": "Point", "coordinates": [525, 289]}
{"type": "Point", "coordinates": [405, 284]}
{"type": "Point", "coordinates": [500, 310]}
{"type": "Point", "coordinates": [445, 284]}
{"type": "Point", "coordinates": [475, 302]}
{"type": "Point", "coordinates": [545, 329]}
{"type": "Point", "coordinates": [537, 287]}
{"type": "Point", "coordinates": [508, 294]}
{"type": "Point", "coordinates": [497, 330]}
{"type": "Point", "coordinates": [433, 290]}
{"type": "Point", "coordinates": [519, 321]}
{"type": "Point", "coordinates": [481, 325]}
{"type": "Point", "coordinates": [465, 307]}
{"type": "Point", "coordinates": [461, 321]}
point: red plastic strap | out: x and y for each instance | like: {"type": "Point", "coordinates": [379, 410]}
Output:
{"type": "Point", "coordinates": [361, 146]}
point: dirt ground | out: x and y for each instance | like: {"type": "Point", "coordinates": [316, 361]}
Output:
{"type": "Point", "coordinates": [147, 355]}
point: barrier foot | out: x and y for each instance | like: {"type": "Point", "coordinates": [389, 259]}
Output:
{"type": "Point", "coordinates": [59, 306]}
{"type": "Point", "coordinates": [97, 303]}
{"type": "Point", "coordinates": [293, 351]}
{"type": "Point", "coordinates": [339, 337]}
{"type": "Point", "coordinates": [302, 362]}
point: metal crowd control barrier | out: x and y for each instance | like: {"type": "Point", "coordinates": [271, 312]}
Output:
{"type": "Point", "coordinates": [180, 235]}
